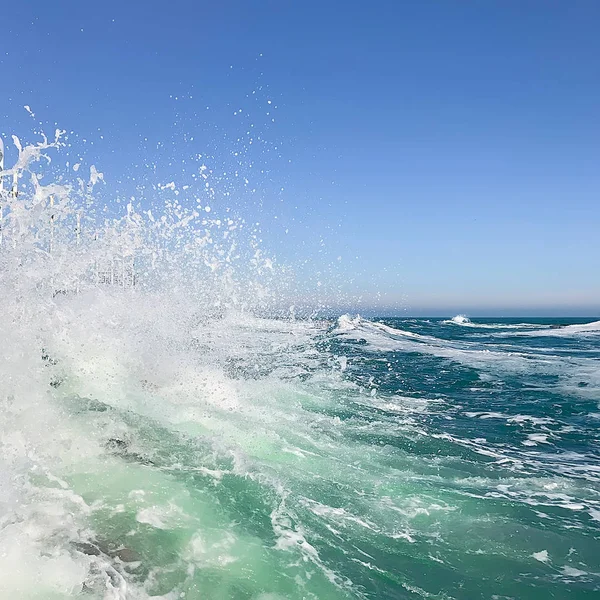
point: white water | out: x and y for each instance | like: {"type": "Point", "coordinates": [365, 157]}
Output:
{"type": "Point", "coordinates": [113, 311]}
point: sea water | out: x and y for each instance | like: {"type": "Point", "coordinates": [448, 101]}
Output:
{"type": "Point", "coordinates": [168, 432]}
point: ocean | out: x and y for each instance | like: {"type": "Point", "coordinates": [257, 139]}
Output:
{"type": "Point", "coordinates": [166, 433]}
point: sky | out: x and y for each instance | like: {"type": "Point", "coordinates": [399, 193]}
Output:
{"type": "Point", "coordinates": [431, 157]}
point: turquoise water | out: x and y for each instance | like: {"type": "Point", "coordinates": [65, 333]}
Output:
{"type": "Point", "coordinates": [259, 458]}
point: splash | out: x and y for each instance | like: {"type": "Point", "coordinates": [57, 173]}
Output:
{"type": "Point", "coordinates": [59, 232]}
{"type": "Point", "coordinates": [459, 320]}
{"type": "Point", "coordinates": [104, 316]}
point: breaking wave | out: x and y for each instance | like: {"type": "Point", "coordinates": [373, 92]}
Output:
{"type": "Point", "coordinates": [170, 429]}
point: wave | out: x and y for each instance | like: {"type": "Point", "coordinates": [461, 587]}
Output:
{"type": "Point", "coordinates": [577, 330]}
{"type": "Point", "coordinates": [594, 326]}
{"type": "Point", "coordinates": [144, 386]}
{"type": "Point", "coordinates": [164, 436]}
{"type": "Point", "coordinates": [458, 320]}
{"type": "Point", "coordinates": [464, 321]}
{"type": "Point", "coordinates": [383, 338]}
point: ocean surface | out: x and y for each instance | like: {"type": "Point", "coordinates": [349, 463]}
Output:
{"type": "Point", "coordinates": [162, 436]}
{"type": "Point", "coordinates": [385, 458]}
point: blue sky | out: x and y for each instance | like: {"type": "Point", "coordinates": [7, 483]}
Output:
{"type": "Point", "coordinates": [446, 151]}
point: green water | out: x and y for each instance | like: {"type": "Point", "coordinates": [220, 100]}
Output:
{"type": "Point", "coordinates": [291, 460]}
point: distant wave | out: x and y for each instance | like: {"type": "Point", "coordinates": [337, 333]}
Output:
{"type": "Point", "coordinates": [346, 324]}
{"type": "Point", "coordinates": [464, 321]}
{"type": "Point", "coordinates": [382, 338]}
{"type": "Point", "coordinates": [458, 320]}
{"type": "Point", "coordinates": [592, 328]}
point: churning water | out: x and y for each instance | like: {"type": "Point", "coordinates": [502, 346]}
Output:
{"type": "Point", "coordinates": [164, 434]}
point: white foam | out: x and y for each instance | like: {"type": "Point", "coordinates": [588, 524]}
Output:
{"type": "Point", "coordinates": [593, 326]}
{"type": "Point", "coordinates": [584, 329]}
{"type": "Point", "coordinates": [466, 322]}
{"type": "Point", "coordinates": [533, 439]}
{"type": "Point", "coordinates": [573, 572]}
{"type": "Point", "coordinates": [458, 320]}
